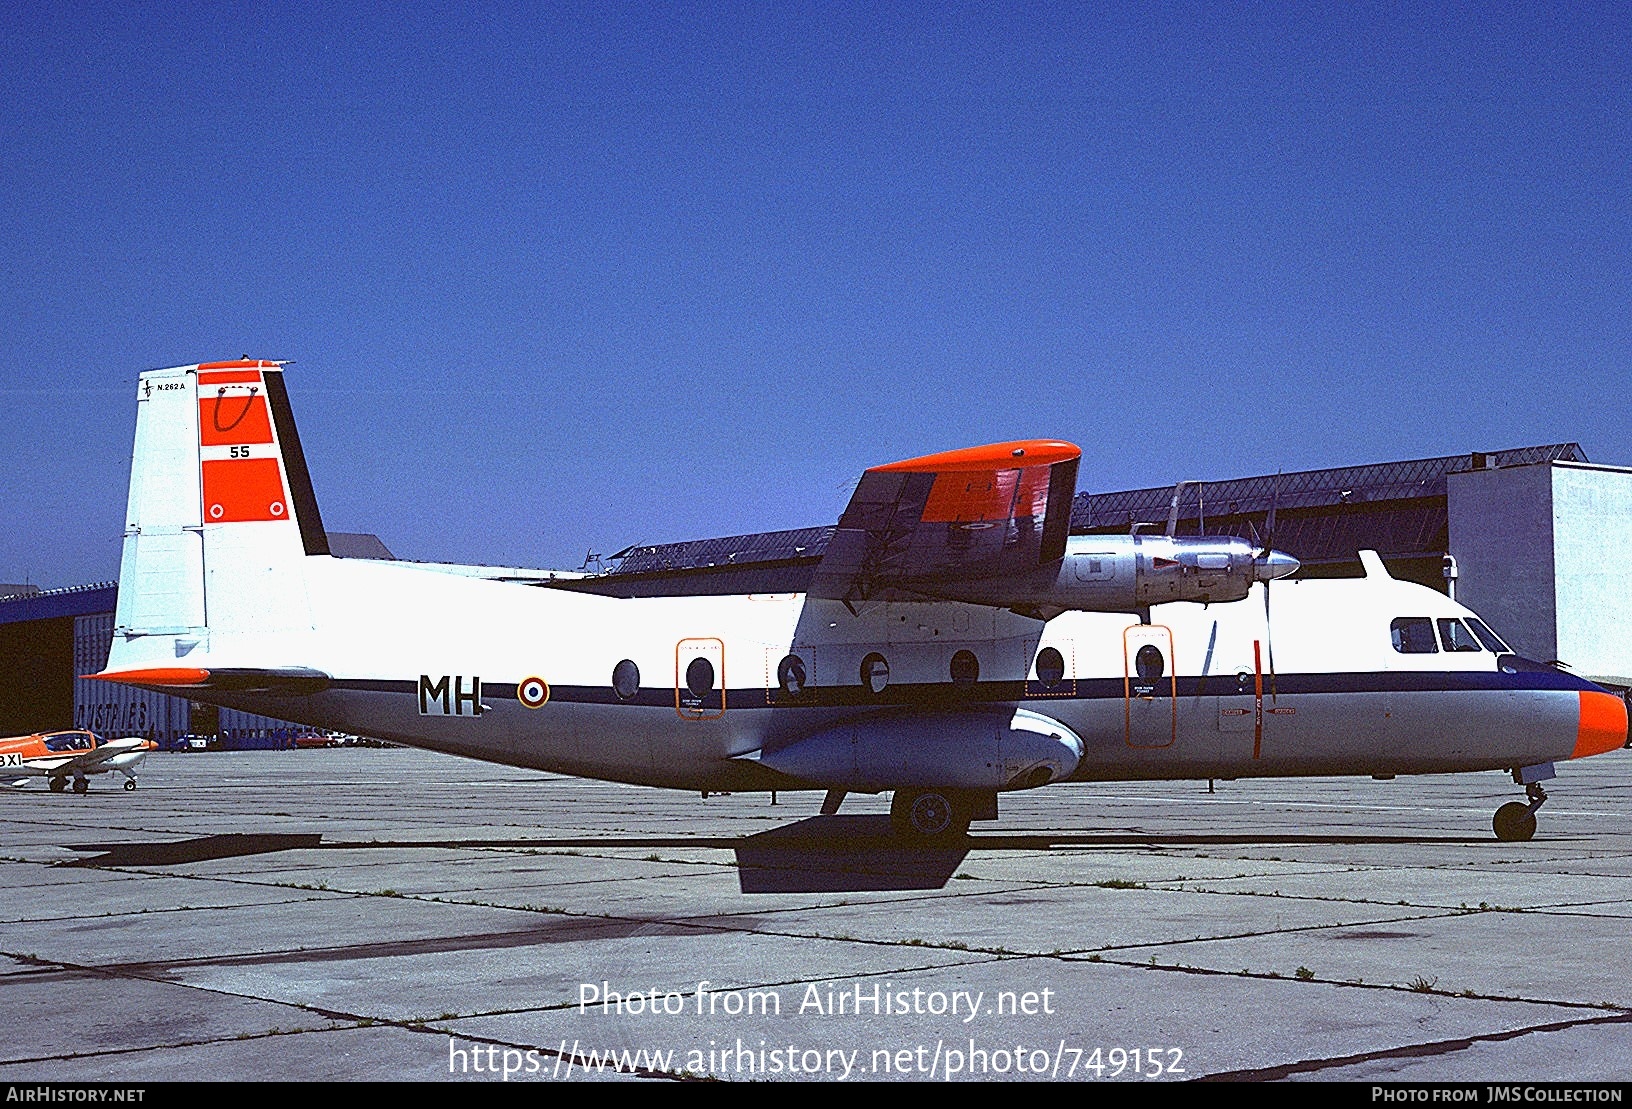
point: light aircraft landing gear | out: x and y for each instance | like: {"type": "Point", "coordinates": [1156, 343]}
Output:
{"type": "Point", "coordinates": [81, 785]}
{"type": "Point", "coordinates": [57, 784]}
{"type": "Point", "coordinates": [1515, 822]}
{"type": "Point", "coordinates": [130, 784]}
{"type": "Point", "coordinates": [929, 815]}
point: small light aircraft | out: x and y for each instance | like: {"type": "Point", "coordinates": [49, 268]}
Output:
{"type": "Point", "coordinates": [70, 756]}
{"type": "Point", "coordinates": [953, 643]}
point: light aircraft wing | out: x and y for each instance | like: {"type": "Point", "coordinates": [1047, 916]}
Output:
{"type": "Point", "coordinates": [983, 512]}
{"type": "Point", "coordinates": [86, 761]}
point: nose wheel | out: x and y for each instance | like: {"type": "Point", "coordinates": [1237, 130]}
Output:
{"type": "Point", "coordinates": [1515, 822]}
{"type": "Point", "coordinates": [130, 785]}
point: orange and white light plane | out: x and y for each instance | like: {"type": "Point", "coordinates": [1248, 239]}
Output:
{"type": "Point", "coordinates": [70, 756]}
{"type": "Point", "coordinates": [954, 642]}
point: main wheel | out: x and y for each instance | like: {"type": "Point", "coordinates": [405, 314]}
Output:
{"type": "Point", "coordinates": [1514, 822]}
{"type": "Point", "coordinates": [58, 784]}
{"type": "Point", "coordinates": [81, 785]}
{"type": "Point", "coordinates": [928, 815]}
{"type": "Point", "coordinates": [130, 784]}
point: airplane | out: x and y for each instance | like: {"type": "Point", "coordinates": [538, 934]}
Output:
{"type": "Point", "coordinates": [953, 643]}
{"type": "Point", "coordinates": [74, 755]}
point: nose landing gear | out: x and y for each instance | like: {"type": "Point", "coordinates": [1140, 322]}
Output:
{"type": "Point", "coordinates": [1515, 821]}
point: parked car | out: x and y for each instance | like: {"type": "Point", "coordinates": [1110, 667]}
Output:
{"type": "Point", "coordinates": [315, 739]}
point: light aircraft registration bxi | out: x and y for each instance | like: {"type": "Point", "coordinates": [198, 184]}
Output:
{"type": "Point", "coordinates": [953, 642]}
{"type": "Point", "coordinates": [70, 756]}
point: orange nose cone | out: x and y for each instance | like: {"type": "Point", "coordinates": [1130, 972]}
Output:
{"type": "Point", "coordinates": [1603, 724]}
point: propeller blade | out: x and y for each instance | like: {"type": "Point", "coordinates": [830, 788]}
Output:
{"type": "Point", "coordinates": [1268, 563]}
{"type": "Point", "coordinates": [1269, 519]}
{"type": "Point", "coordinates": [1271, 564]}
{"type": "Point", "coordinates": [1269, 642]}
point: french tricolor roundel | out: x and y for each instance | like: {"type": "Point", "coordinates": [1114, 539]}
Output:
{"type": "Point", "coordinates": [533, 693]}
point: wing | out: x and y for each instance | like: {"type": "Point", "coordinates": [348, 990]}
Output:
{"type": "Point", "coordinates": [978, 513]}
{"type": "Point", "coordinates": [84, 761]}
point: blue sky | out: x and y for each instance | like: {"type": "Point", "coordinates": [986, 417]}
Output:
{"type": "Point", "coordinates": [560, 277]}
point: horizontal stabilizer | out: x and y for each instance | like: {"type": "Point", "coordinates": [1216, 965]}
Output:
{"type": "Point", "coordinates": [295, 681]}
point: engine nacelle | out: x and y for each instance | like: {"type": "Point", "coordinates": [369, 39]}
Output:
{"type": "Point", "coordinates": [984, 750]}
{"type": "Point", "coordinates": [1120, 573]}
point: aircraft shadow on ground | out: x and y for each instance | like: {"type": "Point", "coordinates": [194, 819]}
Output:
{"type": "Point", "coordinates": [229, 846]}
{"type": "Point", "coordinates": [820, 854]}
{"type": "Point", "coordinates": [832, 854]}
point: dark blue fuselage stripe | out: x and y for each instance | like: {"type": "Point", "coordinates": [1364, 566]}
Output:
{"type": "Point", "coordinates": [944, 694]}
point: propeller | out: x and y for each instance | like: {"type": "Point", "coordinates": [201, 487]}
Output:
{"type": "Point", "coordinates": [1269, 564]}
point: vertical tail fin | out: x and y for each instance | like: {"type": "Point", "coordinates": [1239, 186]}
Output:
{"type": "Point", "coordinates": [221, 514]}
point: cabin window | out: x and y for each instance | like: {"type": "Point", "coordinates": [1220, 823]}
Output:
{"type": "Point", "coordinates": [1050, 667]}
{"type": "Point", "coordinates": [67, 741]}
{"type": "Point", "coordinates": [1490, 639]}
{"type": "Point", "coordinates": [965, 668]}
{"type": "Point", "coordinates": [1456, 637]}
{"type": "Point", "coordinates": [700, 677]}
{"type": "Point", "coordinates": [791, 675]}
{"type": "Point", "coordinates": [1148, 662]}
{"type": "Point", "coordinates": [1414, 635]}
{"type": "Point", "coordinates": [875, 672]}
{"type": "Point", "coordinates": [625, 679]}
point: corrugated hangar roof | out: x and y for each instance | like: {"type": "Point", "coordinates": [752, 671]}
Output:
{"type": "Point", "coordinates": [52, 604]}
{"type": "Point", "coordinates": [1345, 485]}
{"type": "Point", "coordinates": [735, 550]}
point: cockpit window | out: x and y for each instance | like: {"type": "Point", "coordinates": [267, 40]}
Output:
{"type": "Point", "coordinates": [1490, 639]}
{"type": "Point", "coordinates": [1414, 635]}
{"type": "Point", "coordinates": [68, 741]}
{"type": "Point", "coordinates": [1456, 637]}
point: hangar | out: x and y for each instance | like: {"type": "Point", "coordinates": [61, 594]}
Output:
{"type": "Point", "coordinates": [1534, 539]}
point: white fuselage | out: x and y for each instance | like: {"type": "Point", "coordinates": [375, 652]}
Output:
{"type": "Point", "coordinates": [1327, 693]}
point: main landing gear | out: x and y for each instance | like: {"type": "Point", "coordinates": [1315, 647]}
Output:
{"type": "Point", "coordinates": [130, 785]}
{"type": "Point", "coordinates": [929, 815]}
{"type": "Point", "coordinates": [57, 784]}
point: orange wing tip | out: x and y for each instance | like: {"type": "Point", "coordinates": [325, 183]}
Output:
{"type": "Point", "coordinates": [994, 456]}
{"type": "Point", "coordinates": [1603, 724]}
{"type": "Point", "coordinates": [161, 675]}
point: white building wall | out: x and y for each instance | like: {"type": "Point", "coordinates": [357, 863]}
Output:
{"type": "Point", "coordinates": [1592, 560]}
{"type": "Point", "coordinates": [1501, 535]}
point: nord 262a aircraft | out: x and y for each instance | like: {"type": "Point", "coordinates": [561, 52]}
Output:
{"type": "Point", "coordinates": [953, 643]}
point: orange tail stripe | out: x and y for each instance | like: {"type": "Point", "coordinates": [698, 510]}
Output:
{"type": "Point", "coordinates": [231, 377]}
{"type": "Point", "coordinates": [1603, 724]}
{"type": "Point", "coordinates": [233, 419]}
{"type": "Point", "coordinates": [242, 489]}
